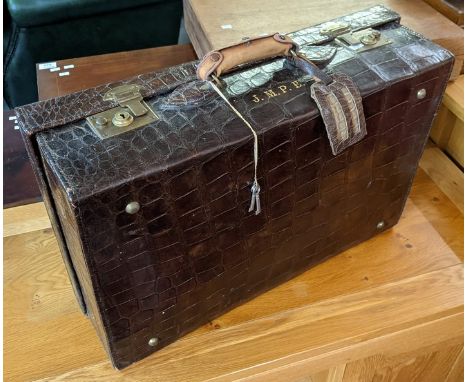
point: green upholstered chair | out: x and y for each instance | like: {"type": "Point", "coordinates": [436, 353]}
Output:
{"type": "Point", "coordinates": [48, 30]}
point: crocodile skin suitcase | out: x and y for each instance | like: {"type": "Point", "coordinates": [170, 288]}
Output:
{"type": "Point", "coordinates": [180, 194]}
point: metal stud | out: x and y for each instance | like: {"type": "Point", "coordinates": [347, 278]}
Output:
{"type": "Point", "coordinates": [153, 341]}
{"type": "Point", "coordinates": [380, 225]}
{"type": "Point", "coordinates": [132, 208]}
{"type": "Point", "coordinates": [101, 121]}
{"type": "Point", "coordinates": [421, 94]}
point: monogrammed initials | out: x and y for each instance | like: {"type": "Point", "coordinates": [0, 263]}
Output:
{"type": "Point", "coordinates": [281, 89]}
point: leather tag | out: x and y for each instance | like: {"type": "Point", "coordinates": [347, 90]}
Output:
{"type": "Point", "coordinates": [340, 105]}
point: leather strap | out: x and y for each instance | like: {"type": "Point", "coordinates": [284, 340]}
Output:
{"type": "Point", "coordinates": [303, 63]}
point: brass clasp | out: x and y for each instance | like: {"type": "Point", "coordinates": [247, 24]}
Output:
{"type": "Point", "coordinates": [127, 96]}
{"type": "Point", "coordinates": [131, 113]}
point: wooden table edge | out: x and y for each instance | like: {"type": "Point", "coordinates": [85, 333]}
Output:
{"type": "Point", "coordinates": [435, 328]}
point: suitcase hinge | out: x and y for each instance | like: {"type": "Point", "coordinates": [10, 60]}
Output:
{"type": "Point", "coordinates": [131, 113]}
{"type": "Point", "coordinates": [334, 28]}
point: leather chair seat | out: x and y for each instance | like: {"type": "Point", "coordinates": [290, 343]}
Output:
{"type": "Point", "coordinates": [38, 31]}
{"type": "Point", "coordinates": [27, 13]}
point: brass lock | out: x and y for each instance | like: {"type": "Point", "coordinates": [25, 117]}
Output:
{"type": "Point", "coordinates": [122, 118]}
{"type": "Point", "coordinates": [131, 113]}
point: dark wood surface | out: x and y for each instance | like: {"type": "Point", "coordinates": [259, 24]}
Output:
{"type": "Point", "coordinates": [19, 183]}
{"type": "Point", "coordinates": [97, 70]}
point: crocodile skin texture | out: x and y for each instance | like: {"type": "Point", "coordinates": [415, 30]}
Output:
{"type": "Point", "coordinates": [193, 252]}
{"type": "Point", "coordinates": [371, 17]}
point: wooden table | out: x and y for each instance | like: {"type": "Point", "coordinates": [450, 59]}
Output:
{"type": "Point", "coordinates": [214, 24]}
{"type": "Point", "coordinates": [86, 72]}
{"type": "Point", "coordinates": [389, 308]}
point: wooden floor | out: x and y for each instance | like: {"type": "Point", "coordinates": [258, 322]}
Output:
{"type": "Point", "coordinates": [399, 292]}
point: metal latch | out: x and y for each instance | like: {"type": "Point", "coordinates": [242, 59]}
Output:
{"type": "Point", "coordinates": [131, 113]}
{"type": "Point", "coordinates": [363, 40]}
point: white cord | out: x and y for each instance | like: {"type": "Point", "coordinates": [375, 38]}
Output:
{"type": "Point", "coordinates": [255, 201]}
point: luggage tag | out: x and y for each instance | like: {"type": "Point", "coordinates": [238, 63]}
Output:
{"type": "Point", "coordinates": [340, 105]}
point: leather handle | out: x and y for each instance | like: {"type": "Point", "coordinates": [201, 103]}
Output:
{"type": "Point", "coordinates": [249, 51]}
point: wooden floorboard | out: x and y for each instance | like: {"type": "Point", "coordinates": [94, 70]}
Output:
{"type": "Point", "coordinates": [23, 219]}
{"type": "Point", "coordinates": [444, 173]}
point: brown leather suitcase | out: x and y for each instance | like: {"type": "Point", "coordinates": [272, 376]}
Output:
{"type": "Point", "coordinates": [178, 195]}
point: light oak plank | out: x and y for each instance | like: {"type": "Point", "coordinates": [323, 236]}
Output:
{"type": "Point", "coordinates": [27, 218]}
{"type": "Point", "coordinates": [334, 374]}
{"type": "Point", "coordinates": [44, 330]}
{"type": "Point", "coordinates": [454, 96]}
{"type": "Point", "coordinates": [439, 211]}
{"type": "Point", "coordinates": [246, 351]}
{"type": "Point", "coordinates": [442, 126]}
{"type": "Point", "coordinates": [444, 173]}
{"type": "Point", "coordinates": [448, 130]}
{"type": "Point", "coordinates": [456, 373]}
{"type": "Point", "coordinates": [418, 365]}
{"type": "Point", "coordinates": [455, 145]}
{"type": "Point", "coordinates": [391, 344]}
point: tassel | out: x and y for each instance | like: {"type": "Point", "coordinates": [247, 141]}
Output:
{"type": "Point", "coordinates": [255, 200]}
